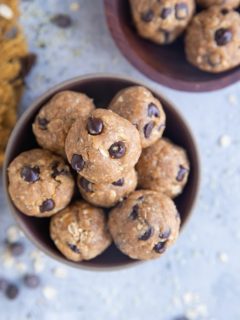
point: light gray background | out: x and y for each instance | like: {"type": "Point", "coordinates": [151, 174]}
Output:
{"type": "Point", "coordinates": [200, 275]}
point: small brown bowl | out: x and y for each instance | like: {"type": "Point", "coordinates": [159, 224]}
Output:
{"type": "Point", "coordinates": [166, 65]}
{"type": "Point", "coordinates": [101, 88]}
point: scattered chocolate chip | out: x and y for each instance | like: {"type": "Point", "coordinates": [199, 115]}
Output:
{"type": "Point", "coordinates": [181, 11]}
{"type": "Point", "coordinates": [42, 122]}
{"type": "Point", "coordinates": [224, 11]}
{"type": "Point", "coordinates": [3, 284]}
{"type": "Point", "coordinates": [147, 16]}
{"type": "Point", "coordinates": [117, 150]}
{"type": "Point", "coordinates": [165, 13]}
{"type": "Point", "coordinates": [61, 20]}
{"type": "Point", "coordinates": [11, 33]}
{"type": "Point", "coordinates": [134, 213]}
{"type": "Point", "coordinates": [153, 110]}
{"type": "Point", "coordinates": [181, 173]}
{"type": "Point", "coordinates": [147, 234]}
{"type": "Point", "coordinates": [85, 184]}
{"type": "Point", "coordinates": [148, 129]}
{"type": "Point", "coordinates": [165, 234]}
{"type": "Point", "coordinates": [223, 36]}
{"type": "Point", "coordinates": [56, 171]}
{"type": "Point", "coordinates": [160, 247]}
{"type": "Point", "coordinates": [47, 205]}
{"type": "Point", "coordinates": [27, 63]}
{"type": "Point", "coordinates": [16, 249]}
{"type": "Point", "coordinates": [77, 162]}
{"type": "Point", "coordinates": [30, 174]}
{"type": "Point", "coordinates": [11, 291]}
{"type": "Point", "coordinates": [119, 182]}
{"type": "Point", "coordinates": [94, 126]}
{"type": "Point", "coordinates": [31, 281]}
{"type": "Point", "coordinates": [74, 248]}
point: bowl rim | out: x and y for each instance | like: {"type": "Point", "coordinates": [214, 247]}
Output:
{"type": "Point", "coordinates": [34, 106]}
{"type": "Point", "coordinates": [178, 84]}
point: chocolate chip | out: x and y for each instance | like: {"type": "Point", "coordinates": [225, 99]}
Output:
{"type": "Point", "coordinates": [94, 126]}
{"type": "Point", "coordinates": [3, 284]}
{"type": "Point", "coordinates": [31, 281]}
{"type": "Point", "coordinates": [57, 171]}
{"type": "Point", "coordinates": [224, 11]}
{"type": "Point", "coordinates": [119, 182]}
{"type": "Point", "coordinates": [147, 234]}
{"type": "Point", "coordinates": [85, 184]}
{"type": "Point", "coordinates": [181, 11]}
{"type": "Point", "coordinates": [117, 150]}
{"type": "Point", "coordinates": [47, 205]}
{"type": "Point", "coordinates": [148, 129]}
{"type": "Point", "coordinates": [77, 162]}
{"type": "Point", "coordinates": [27, 63]}
{"type": "Point", "coordinates": [165, 13]}
{"type": "Point", "coordinates": [160, 247]}
{"type": "Point", "coordinates": [61, 20]}
{"type": "Point", "coordinates": [223, 36]}
{"type": "Point", "coordinates": [42, 122]}
{"type": "Point", "coordinates": [16, 249]}
{"type": "Point", "coordinates": [147, 16]}
{"type": "Point", "coordinates": [181, 173]}
{"type": "Point", "coordinates": [141, 198]}
{"type": "Point", "coordinates": [165, 34]}
{"type": "Point", "coordinates": [134, 213]}
{"type": "Point", "coordinates": [74, 248]}
{"type": "Point", "coordinates": [11, 33]}
{"type": "Point", "coordinates": [153, 110]}
{"type": "Point", "coordinates": [165, 234]}
{"type": "Point", "coordinates": [12, 291]}
{"type": "Point", "coordinates": [30, 174]}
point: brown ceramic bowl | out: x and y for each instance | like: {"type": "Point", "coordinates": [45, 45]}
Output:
{"type": "Point", "coordinates": [166, 65]}
{"type": "Point", "coordinates": [102, 88]}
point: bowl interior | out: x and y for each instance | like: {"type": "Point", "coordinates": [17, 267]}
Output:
{"type": "Point", "coordinates": [164, 64]}
{"type": "Point", "coordinates": [102, 89]}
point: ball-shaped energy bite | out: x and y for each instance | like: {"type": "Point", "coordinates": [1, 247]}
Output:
{"type": "Point", "coordinates": [142, 109]}
{"type": "Point", "coordinates": [225, 3]}
{"type": "Point", "coordinates": [163, 167]}
{"type": "Point", "coordinates": [80, 231]}
{"type": "Point", "coordinates": [145, 224]}
{"type": "Point", "coordinates": [213, 39]}
{"type": "Point", "coordinates": [103, 147]}
{"type": "Point", "coordinates": [107, 194]}
{"type": "Point", "coordinates": [162, 21]}
{"type": "Point", "coordinates": [40, 183]}
{"type": "Point", "coordinates": [54, 120]}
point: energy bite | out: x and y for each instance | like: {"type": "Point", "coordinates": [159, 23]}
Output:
{"type": "Point", "coordinates": [103, 146]}
{"type": "Point", "coordinates": [80, 231]}
{"type": "Point", "coordinates": [40, 183]}
{"type": "Point", "coordinates": [145, 224]}
{"type": "Point", "coordinates": [107, 194]}
{"type": "Point", "coordinates": [163, 167]}
{"type": "Point", "coordinates": [142, 109]}
{"type": "Point", "coordinates": [226, 3]}
{"type": "Point", "coordinates": [162, 21]}
{"type": "Point", "coordinates": [54, 120]}
{"type": "Point", "coordinates": [213, 39]}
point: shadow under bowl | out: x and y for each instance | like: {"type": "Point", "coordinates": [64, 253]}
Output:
{"type": "Point", "coordinates": [101, 88]}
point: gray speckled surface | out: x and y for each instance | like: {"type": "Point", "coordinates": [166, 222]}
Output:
{"type": "Point", "coordinates": [200, 275]}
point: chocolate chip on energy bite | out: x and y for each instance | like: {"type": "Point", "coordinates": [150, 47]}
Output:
{"type": "Point", "coordinates": [30, 174]}
{"type": "Point", "coordinates": [119, 182]}
{"type": "Point", "coordinates": [85, 184]}
{"type": "Point", "coordinates": [77, 162]}
{"type": "Point", "coordinates": [160, 247]}
{"type": "Point", "coordinates": [181, 11]}
{"type": "Point", "coordinates": [165, 234]}
{"type": "Point", "coordinates": [61, 20]}
{"type": "Point", "coordinates": [134, 213]}
{"type": "Point", "coordinates": [147, 234]}
{"type": "Point", "coordinates": [11, 291]}
{"type": "Point", "coordinates": [16, 249]}
{"type": "Point", "coordinates": [42, 122]}
{"type": "Point", "coordinates": [165, 13]}
{"type": "Point", "coordinates": [223, 36]}
{"type": "Point", "coordinates": [94, 126]}
{"type": "Point", "coordinates": [148, 129]}
{"type": "Point", "coordinates": [181, 173]}
{"type": "Point", "coordinates": [153, 110]}
{"type": "Point", "coordinates": [224, 11]}
{"type": "Point", "coordinates": [47, 205]}
{"type": "Point", "coordinates": [31, 281]}
{"type": "Point", "coordinates": [74, 248]}
{"type": "Point", "coordinates": [117, 150]}
{"type": "Point", "coordinates": [56, 171]}
{"type": "Point", "coordinates": [147, 16]}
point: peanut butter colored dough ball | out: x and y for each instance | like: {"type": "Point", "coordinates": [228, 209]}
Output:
{"type": "Point", "coordinates": [142, 109]}
{"type": "Point", "coordinates": [162, 21]}
{"type": "Point", "coordinates": [145, 224]}
{"type": "Point", "coordinates": [212, 40]}
{"type": "Point", "coordinates": [40, 183]}
{"type": "Point", "coordinates": [163, 167]}
{"type": "Point", "coordinates": [103, 147]}
{"type": "Point", "coordinates": [107, 194]}
{"type": "Point", "coordinates": [55, 118]}
{"type": "Point", "coordinates": [80, 231]}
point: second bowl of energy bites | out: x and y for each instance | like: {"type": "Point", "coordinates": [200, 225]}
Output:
{"type": "Point", "coordinates": [102, 172]}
